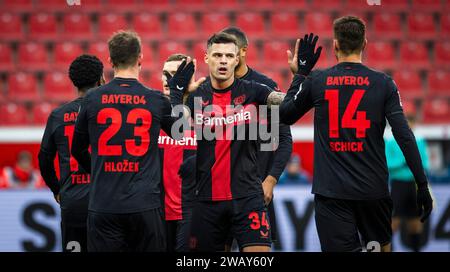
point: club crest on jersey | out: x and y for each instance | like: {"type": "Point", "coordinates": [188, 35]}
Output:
{"type": "Point", "coordinates": [239, 100]}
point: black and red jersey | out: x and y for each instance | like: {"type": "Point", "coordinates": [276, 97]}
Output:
{"type": "Point", "coordinates": [352, 103]}
{"type": "Point", "coordinates": [227, 166]}
{"type": "Point", "coordinates": [122, 121]}
{"type": "Point", "coordinates": [73, 184]}
{"type": "Point", "coordinates": [179, 193]}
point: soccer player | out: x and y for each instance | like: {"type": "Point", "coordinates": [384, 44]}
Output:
{"type": "Point", "coordinates": [71, 191]}
{"type": "Point", "coordinates": [121, 120]}
{"type": "Point", "coordinates": [178, 194]}
{"type": "Point", "coordinates": [352, 103]}
{"type": "Point", "coordinates": [271, 163]}
{"type": "Point", "coordinates": [403, 188]}
{"type": "Point", "coordinates": [230, 197]}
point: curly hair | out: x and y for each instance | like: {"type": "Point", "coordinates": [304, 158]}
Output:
{"type": "Point", "coordinates": [85, 71]}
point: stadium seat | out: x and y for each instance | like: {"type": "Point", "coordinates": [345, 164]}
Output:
{"type": "Point", "coordinates": [426, 5]}
{"type": "Point", "coordinates": [213, 22]}
{"type": "Point", "coordinates": [438, 83]}
{"type": "Point", "coordinates": [391, 5]}
{"type": "Point", "coordinates": [324, 61]}
{"type": "Point", "coordinates": [168, 48]}
{"type": "Point", "coordinates": [436, 111]}
{"type": "Point", "coordinates": [22, 87]}
{"type": "Point", "coordinates": [387, 25]}
{"type": "Point", "coordinates": [57, 5]}
{"type": "Point", "coordinates": [18, 5]}
{"type": "Point", "coordinates": [409, 106]}
{"type": "Point", "coordinates": [100, 50]}
{"type": "Point", "coordinates": [284, 24]}
{"type": "Point", "coordinates": [58, 87]}
{"type": "Point", "coordinates": [414, 55]}
{"type": "Point", "coordinates": [43, 26]}
{"type": "Point", "coordinates": [32, 56]}
{"type": "Point", "coordinates": [6, 60]}
{"type": "Point", "coordinates": [12, 114]}
{"type": "Point", "coordinates": [278, 77]}
{"type": "Point", "coordinates": [92, 5]}
{"type": "Point", "coordinates": [41, 112]}
{"type": "Point", "coordinates": [198, 51]}
{"type": "Point", "coordinates": [254, 56]}
{"type": "Point", "coordinates": [77, 26]}
{"type": "Point", "coordinates": [189, 5]}
{"type": "Point", "coordinates": [421, 26]}
{"type": "Point", "coordinates": [181, 26]}
{"type": "Point", "coordinates": [442, 54]}
{"type": "Point", "coordinates": [148, 60]}
{"type": "Point", "coordinates": [320, 24]}
{"type": "Point", "coordinates": [381, 55]}
{"type": "Point", "coordinates": [258, 4]}
{"type": "Point", "coordinates": [65, 53]}
{"type": "Point", "coordinates": [274, 54]}
{"type": "Point", "coordinates": [229, 5]}
{"type": "Point", "coordinates": [11, 26]}
{"type": "Point", "coordinates": [251, 23]}
{"type": "Point", "coordinates": [120, 5]}
{"type": "Point", "coordinates": [152, 79]}
{"type": "Point", "coordinates": [327, 5]}
{"type": "Point", "coordinates": [110, 23]}
{"type": "Point", "coordinates": [359, 5]}
{"type": "Point", "coordinates": [445, 25]}
{"type": "Point", "coordinates": [292, 5]}
{"type": "Point", "coordinates": [148, 25]}
{"type": "Point", "coordinates": [409, 83]}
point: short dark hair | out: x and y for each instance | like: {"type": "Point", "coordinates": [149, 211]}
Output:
{"type": "Point", "coordinates": [85, 71]}
{"type": "Point", "coordinates": [176, 57]}
{"type": "Point", "coordinates": [239, 34]}
{"type": "Point", "coordinates": [221, 38]}
{"type": "Point", "coordinates": [350, 32]}
{"type": "Point", "coordinates": [124, 48]}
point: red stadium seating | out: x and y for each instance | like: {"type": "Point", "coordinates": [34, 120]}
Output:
{"type": "Point", "coordinates": [13, 114]}
{"type": "Point", "coordinates": [77, 26]}
{"type": "Point", "coordinates": [120, 5]}
{"type": "Point", "coordinates": [251, 23]}
{"type": "Point", "coordinates": [442, 54]}
{"type": "Point", "coordinates": [148, 60]}
{"type": "Point", "coordinates": [199, 50]}
{"type": "Point", "coordinates": [253, 56]}
{"type": "Point", "coordinates": [46, 5]}
{"type": "Point", "coordinates": [414, 55]}
{"type": "Point", "coordinates": [41, 112]}
{"type": "Point", "coordinates": [110, 23]}
{"type": "Point", "coordinates": [155, 5]}
{"type": "Point", "coordinates": [358, 5]}
{"type": "Point", "coordinates": [65, 53]}
{"type": "Point", "coordinates": [436, 111]}
{"type": "Point", "coordinates": [381, 55]}
{"type": "Point", "coordinates": [327, 5]}
{"type": "Point", "coordinates": [258, 4]}
{"type": "Point", "coordinates": [11, 26]}
{"type": "Point", "coordinates": [18, 5]}
{"type": "Point", "coordinates": [275, 54]}
{"type": "Point", "coordinates": [428, 5]}
{"type": "Point", "coordinates": [181, 26]}
{"type": "Point", "coordinates": [421, 26]}
{"type": "Point", "coordinates": [324, 61]}
{"type": "Point", "coordinates": [43, 26]}
{"type": "Point", "coordinates": [32, 56]}
{"type": "Point", "coordinates": [168, 48]}
{"type": "Point", "coordinates": [387, 25]}
{"type": "Point", "coordinates": [391, 5]}
{"type": "Point", "coordinates": [22, 87]}
{"type": "Point", "coordinates": [58, 87]}
{"type": "Point", "coordinates": [153, 79]}
{"type": "Point", "coordinates": [147, 25]}
{"type": "Point", "coordinates": [409, 107]}
{"type": "Point", "coordinates": [409, 83]}
{"type": "Point", "coordinates": [445, 25]}
{"type": "Point", "coordinates": [92, 5]}
{"type": "Point", "coordinates": [278, 77]}
{"type": "Point", "coordinates": [189, 5]}
{"type": "Point", "coordinates": [284, 24]}
{"type": "Point", "coordinates": [224, 5]}
{"type": "Point", "coordinates": [6, 60]}
{"type": "Point", "coordinates": [320, 24]}
{"type": "Point", "coordinates": [292, 4]}
{"type": "Point", "coordinates": [213, 22]}
{"type": "Point", "coordinates": [101, 51]}
{"type": "Point", "coordinates": [438, 83]}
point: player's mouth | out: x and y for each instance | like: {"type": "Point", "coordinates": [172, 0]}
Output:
{"type": "Point", "coordinates": [223, 70]}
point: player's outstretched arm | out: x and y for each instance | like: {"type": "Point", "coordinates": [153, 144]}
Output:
{"type": "Point", "coordinates": [407, 142]}
{"type": "Point", "coordinates": [80, 142]}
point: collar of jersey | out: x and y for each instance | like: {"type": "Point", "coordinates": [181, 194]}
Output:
{"type": "Point", "coordinates": [126, 79]}
{"type": "Point", "coordinates": [226, 89]}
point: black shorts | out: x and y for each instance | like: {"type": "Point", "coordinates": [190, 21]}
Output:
{"type": "Point", "coordinates": [133, 232]}
{"type": "Point", "coordinates": [273, 226]}
{"type": "Point", "coordinates": [74, 230]}
{"type": "Point", "coordinates": [178, 232]}
{"type": "Point", "coordinates": [246, 219]}
{"type": "Point", "coordinates": [404, 197]}
{"type": "Point", "coordinates": [339, 222]}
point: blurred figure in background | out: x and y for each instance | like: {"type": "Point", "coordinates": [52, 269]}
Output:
{"type": "Point", "coordinates": [22, 175]}
{"type": "Point", "coordinates": [294, 174]}
{"type": "Point", "coordinates": [403, 187]}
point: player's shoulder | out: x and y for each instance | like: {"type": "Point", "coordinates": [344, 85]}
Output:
{"type": "Point", "coordinates": [71, 106]}
{"type": "Point", "coordinates": [260, 78]}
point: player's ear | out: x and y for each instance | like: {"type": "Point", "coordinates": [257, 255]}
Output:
{"type": "Point", "coordinates": [206, 58]}
{"type": "Point", "coordinates": [364, 45]}
{"type": "Point", "coordinates": [243, 51]}
{"type": "Point", "coordinates": [141, 56]}
{"type": "Point", "coordinates": [335, 45]}
{"type": "Point", "coordinates": [110, 62]}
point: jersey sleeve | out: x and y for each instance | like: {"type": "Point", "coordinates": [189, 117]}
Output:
{"type": "Point", "coordinates": [47, 156]}
{"type": "Point", "coordinates": [298, 100]}
{"type": "Point", "coordinates": [261, 92]}
{"type": "Point", "coordinates": [80, 142]}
